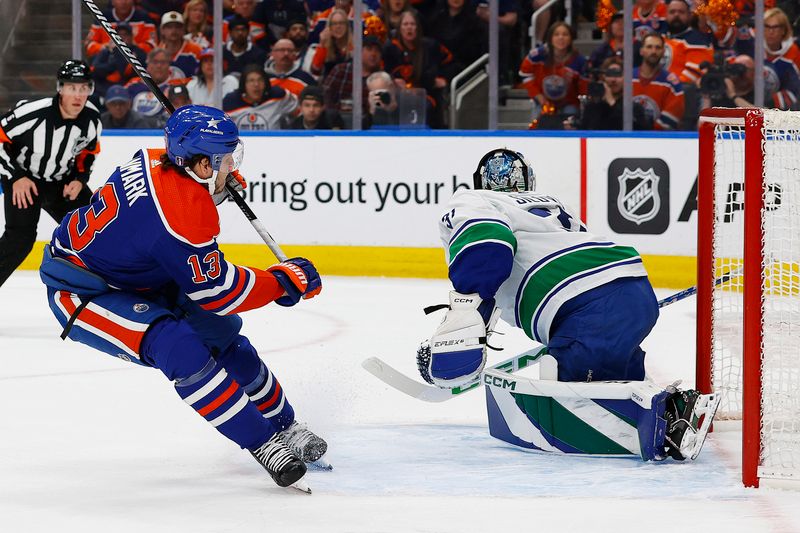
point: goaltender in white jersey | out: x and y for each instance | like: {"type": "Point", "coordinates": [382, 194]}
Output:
{"type": "Point", "coordinates": [528, 258]}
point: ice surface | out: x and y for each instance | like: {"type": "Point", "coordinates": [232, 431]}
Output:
{"type": "Point", "coordinates": [89, 443]}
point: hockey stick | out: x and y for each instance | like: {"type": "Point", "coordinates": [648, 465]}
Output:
{"type": "Point", "coordinates": [145, 76]}
{"type": "Point", "coordinates": [429, 393]}
{"type": "Point", "coordinates": [685, 293]}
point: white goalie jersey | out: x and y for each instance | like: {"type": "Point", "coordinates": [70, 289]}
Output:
{"type": "Point", "coordinates": [529, 252]}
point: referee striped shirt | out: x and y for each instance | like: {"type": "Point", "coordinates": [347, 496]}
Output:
{"type": "Point", "coordinates": [37, 142]}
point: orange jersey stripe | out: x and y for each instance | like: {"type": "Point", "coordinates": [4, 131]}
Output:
{"type": "Point", "coordinates": [131, 339]}
{"type": "Point", "coordinates": [231, 295]}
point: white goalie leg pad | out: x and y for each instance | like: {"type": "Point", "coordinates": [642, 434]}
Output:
{"type": "Point", "coordinates": [458, 346]}
{"type": "Point", "coordinates": [597, 418]}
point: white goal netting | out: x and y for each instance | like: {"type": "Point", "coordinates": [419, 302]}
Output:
{"type": "Point", "coordinates": [780, 287]}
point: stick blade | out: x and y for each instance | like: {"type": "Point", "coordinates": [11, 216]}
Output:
{"type": "Point", "coordinates": [384, 372]}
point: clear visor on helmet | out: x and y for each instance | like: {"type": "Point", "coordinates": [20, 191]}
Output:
{"type": "Point", "coordinates": [224, 164]}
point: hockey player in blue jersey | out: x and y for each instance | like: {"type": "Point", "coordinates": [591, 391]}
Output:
{"type": "Point", "coordinates": [137, 274]}
{"type": "Point", "coordinates": [524, 256]}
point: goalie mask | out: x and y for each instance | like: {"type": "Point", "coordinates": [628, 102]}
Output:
{"type": "Point", "coordinates": [201, 130]}
{"type": "Point", "coordinates": [504, 171]}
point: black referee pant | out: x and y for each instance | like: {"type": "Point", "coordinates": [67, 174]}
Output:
{"type": "Point", "coordinates": [20, 235]}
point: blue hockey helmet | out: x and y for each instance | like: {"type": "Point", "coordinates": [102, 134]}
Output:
{"type": "Point", "coordinates": [201, 130]}
{"type": "Point", "coordinates": [505, 171]}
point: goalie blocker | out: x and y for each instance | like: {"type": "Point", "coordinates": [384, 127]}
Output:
{"type": "Point", "coordinates": [623, 418]}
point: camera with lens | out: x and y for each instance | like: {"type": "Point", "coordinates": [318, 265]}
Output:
{"type": "Point", "coordinates": [596, 88]}
{"type": "Point", "coordinates": [384, 98]}
{"type": "Point", "coordinates": [712, 84]}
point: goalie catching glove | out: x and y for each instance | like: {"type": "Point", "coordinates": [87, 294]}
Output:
{"type": "Point", "coordinates": [456, 353]}
{"type": "Point", "coordinates": [299, 278]}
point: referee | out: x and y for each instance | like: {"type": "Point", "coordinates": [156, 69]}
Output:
{"type": "Point", "coordinates": [47, 148]}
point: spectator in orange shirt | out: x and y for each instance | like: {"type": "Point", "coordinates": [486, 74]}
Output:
{"type": "Point", "coordinates": [184, 55]}
{"type": "Point", "coordinates": [554, 73]}
{"type": "Point", "coordinates": [336, 44]}
{"type": "Point", "coordinates": [655, 88]}
{"type": "Point", "coordinates": [144, 31]}
{"type": "Point", "coordinates": [284, 70]}
{"type": "Point", "coordinates": [686, 47]}
{"type": "Point", "coordinates": [198, 27]}
{"type": "Point", "coordinates": [779, 37]}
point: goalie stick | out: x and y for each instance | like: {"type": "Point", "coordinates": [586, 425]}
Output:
{"type": "Point", "coordinates": [131, 58]}
{"type": "Point", "coordinates": [685, 293]}
{"type": "Point", "coordinates": [430, 393]}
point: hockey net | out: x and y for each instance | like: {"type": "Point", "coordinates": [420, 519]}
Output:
{"type": "Point", "coordinates": [748, 343]}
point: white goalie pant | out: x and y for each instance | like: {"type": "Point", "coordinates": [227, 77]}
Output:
{"type": "Point", "coordinates": [609, 418]}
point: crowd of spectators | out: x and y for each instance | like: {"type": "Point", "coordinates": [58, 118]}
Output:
{"type": "Point", "coordinates": [282, 59]}
{"type": "Point", "coordinates": [289, 63]}
{"type": "Point", "coordinates": [688, 55]}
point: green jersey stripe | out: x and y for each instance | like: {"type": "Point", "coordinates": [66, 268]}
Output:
{"type": "Point", "coordinates": [542, 281]}
{"type": "Point", "coordinates": [480, 232]}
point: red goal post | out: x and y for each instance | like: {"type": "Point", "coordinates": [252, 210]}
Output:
{"type": "Point", "coordinates": [748, 329]}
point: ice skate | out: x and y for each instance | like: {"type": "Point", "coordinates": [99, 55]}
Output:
{"type": "Point", "coordinates": [308, 446]}
{"type": "Point", "coordinates": [285, 468]}
{"type": "Point", "coordinates": [689, 415]}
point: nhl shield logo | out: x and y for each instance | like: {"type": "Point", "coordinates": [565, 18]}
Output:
{"type": "Point", "coordinates": [638, 199]}
{"type": "Point", "coordinates": [141, 308]}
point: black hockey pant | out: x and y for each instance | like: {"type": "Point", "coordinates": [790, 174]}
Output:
{"type": "Point", "coordinates": [20, 234]}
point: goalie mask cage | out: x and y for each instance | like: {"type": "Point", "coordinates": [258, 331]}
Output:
{"type": "Point", "coordinates": [748, 287]}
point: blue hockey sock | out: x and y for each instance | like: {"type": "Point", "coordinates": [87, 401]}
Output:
{"type": "Point", "coordinates": [220, 400]}
{"type": "Point", "coordinates": [242, 362]}
{"type": "Point", "coordinates": [174, 347]}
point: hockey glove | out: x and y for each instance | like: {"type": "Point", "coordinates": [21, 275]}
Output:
{"type": "Point", "coordinates": [299, 278]}
{"type": "Point", "coordinates": [456, 353]}
{"type": "Point", "coordinates": [236, 181]}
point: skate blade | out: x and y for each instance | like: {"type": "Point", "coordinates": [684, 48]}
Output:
{"type": "Point", "coordinates": [301, 486]}
{"type": "Point", "coordinates": [320, 464]}
{"type": "Point", "coordinates": [707, 408]}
